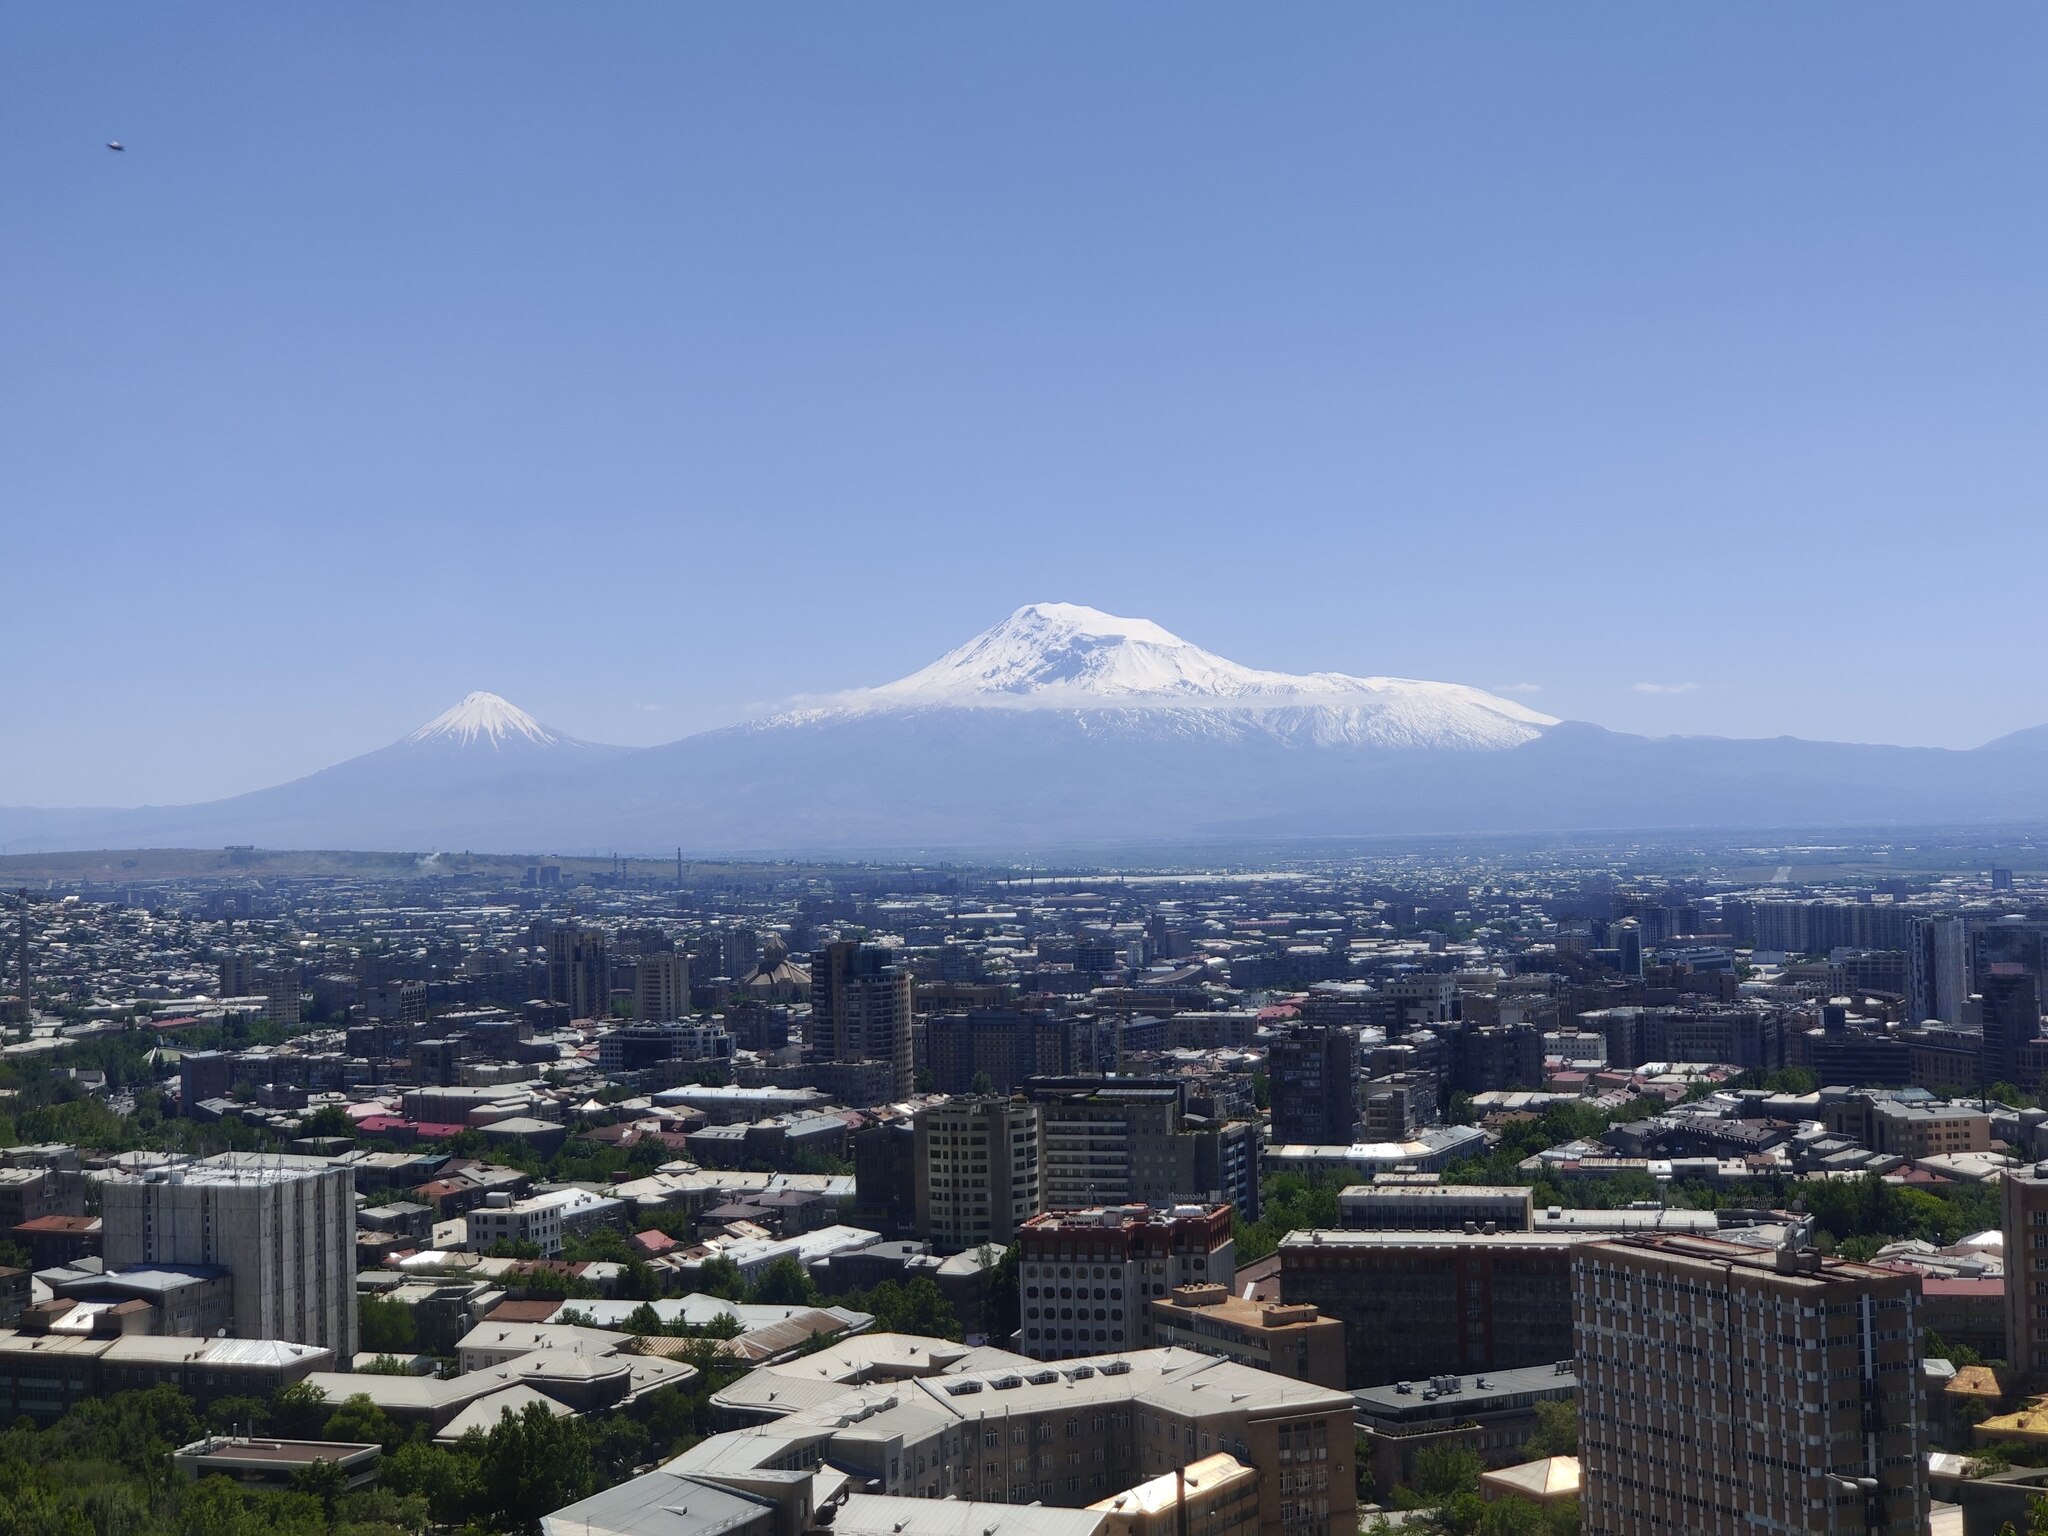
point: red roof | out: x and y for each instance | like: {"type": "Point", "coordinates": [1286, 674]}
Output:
{"type": "Point", "coordinates": [59, 1224]}
{"type": "Point", "coordinates": [1955, 1285]}
{"type": "Point", "coordinates": [375, 1123]}
{"type": "Point", "coordinates": [435, 1130]}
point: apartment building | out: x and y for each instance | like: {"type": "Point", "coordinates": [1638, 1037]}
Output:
{"type": "Point", "coordinates": [976, 1172]}
{"type": "Point", "coordinates": [1086, 1276]}
{"type": "Point", "coordinates": [1725, 1388]}
{"type": "Point", "coordinates": [284, 1227]}
{"type": "Point", "coordinates": [1420, 1304]}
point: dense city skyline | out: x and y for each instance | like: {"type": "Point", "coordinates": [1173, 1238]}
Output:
{"type": "Point", "coordinates": [1623, 354]}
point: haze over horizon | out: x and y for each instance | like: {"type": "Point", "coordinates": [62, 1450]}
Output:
{"type": "Point", "coordinates": [1681, 372]}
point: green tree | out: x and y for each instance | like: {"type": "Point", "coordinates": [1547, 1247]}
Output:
{"type": "Point", "coordinates": [329, 1120]}
{"type": "Point", "coordinates": [916, 1307]}
{"type": "Point", "coordinates": [785, 1283]}
{"type": "Point", "coordinates": [323, 1480]}
{"type": "Point", "coordinates": [445, 1480]}
{"type": "Point", "coordinates": [643, 1319]}
{"type": "Point", "coordinates": [359, 1421]}
{"type": "Point", "coordinates": [299, 1412]}
{"type": "Point", "coordinates": [1557, 1431]}
{"type": "Point", "coordinates": [385, 1327]}
{"type": "Point", "coordinates": [1442, 1472]}
{"type": "Point", "coordinates": [532, 1464]}
{"type": "Point", "coordinates": [720, 1277]}
{"type": "Point", "coordinates": [1004, 1297]}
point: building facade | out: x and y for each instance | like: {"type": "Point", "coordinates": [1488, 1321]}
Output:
{"type": "Point", "coordinates": [1287, 1338]}
{"type": "Point", "coordinates": [661, 987]}
{"type": "Point", "coordinates": [580, 970]}
{"type": "Point", "coordinates": [1086, 1277]}
{"type": "Point", "coordinates": [1724, 1388]}
{"type": "Point", "coordinates": [2023, 1203]}
{"type": "Point", "coordinates": [976, 1172]}
{"type": "Point", "coordinates": [284, 1227]}
{"type": "Point", "coordinates": [1312, 1077]}
{"type": "Point", "coordinates": [1420, 1304]}
{"type": "Point", "coordinates": [861, 1013]}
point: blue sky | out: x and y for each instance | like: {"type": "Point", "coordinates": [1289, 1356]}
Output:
{"type": "Point", "coordinates": [649, 363]}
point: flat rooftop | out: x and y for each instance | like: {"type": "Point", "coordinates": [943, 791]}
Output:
{"type": "Point", "coordinates": [1501, 1390]}
{"type": "Point", "coordinates": [1331, 1238]}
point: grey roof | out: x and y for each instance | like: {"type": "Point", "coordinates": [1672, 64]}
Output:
{"type": "Point", "coordinates": [1502, 1389]}
{"type": "Point", "coordinates": [660, 1504]}
{"type": "Point", "coordinates": [875, 1514]}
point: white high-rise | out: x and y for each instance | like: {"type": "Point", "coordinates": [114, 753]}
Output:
{"type": "Point", "coordinates": [284, 1228]}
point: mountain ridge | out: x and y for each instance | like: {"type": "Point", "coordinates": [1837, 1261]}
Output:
{"type": "Point", "coordinates": [1065, 725]}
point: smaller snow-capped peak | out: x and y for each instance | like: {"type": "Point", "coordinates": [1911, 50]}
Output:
{"type": "Point", "coordinates": [484, 717]}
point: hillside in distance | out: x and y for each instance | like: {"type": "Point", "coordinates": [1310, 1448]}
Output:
{"type": "Point", "coordinates": [1066, 726]}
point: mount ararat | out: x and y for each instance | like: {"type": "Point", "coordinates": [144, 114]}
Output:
{"type": "Point", "coordinates": [1063, 726]}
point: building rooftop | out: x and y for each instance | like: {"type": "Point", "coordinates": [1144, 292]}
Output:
{"type": "Point", "coordinates": [1553, 1477]}
{"type": "Point", "coordinates": [241, 1168]}
{"type": "Point", "coordinates": [1327, 1238]}
{"type": "Point", "coordinates": [1163, 1493]}
{"type": "Point", "coordinates": [874, 1514]}
{"type": "Point", "coordinates": [1452, 1396]}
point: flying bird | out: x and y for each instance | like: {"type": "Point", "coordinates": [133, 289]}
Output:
{"type": "Point", "coordinates": [117, 145]}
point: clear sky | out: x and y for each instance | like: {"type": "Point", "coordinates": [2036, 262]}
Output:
{"type": "Point", "coordinates": [646, 364]}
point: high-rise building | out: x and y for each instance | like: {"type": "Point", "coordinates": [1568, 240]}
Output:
{"type": "Point", "coordinates": [976, 1172]}
{"type": "Point", "coordinates": [1310, 1075]}
{"type": "Point", "coordinates": [1937, 969]}
{"type": "Point", "coordinates": [1420, 1304]}
{"type": "Point", "coordinates": [2024, 1208]}
{"type": "Point", "coordinates": [861, 1011]}
{"type": "Point", "coordinates": [283, 1227]}
{"type": "Point", "coordinates": [1007, 1045]}
{"type": "Point", "coordinates": [281, 986]}
{"type": "Point", "coordinates": [1725, 1388]}
{"type": "Point", "coordinates": [1108, 1141]}
{"type": "Point", "coordinates": [580, 970]}
{"type": "Point", "coordinates": [661, 987]}
{"type": "Point", "coordinates": [2012, 1017]}
{"type": "Point", "coordinates": [1087, 1278]}
{"type": "Point", "coordinates": [237, 973]}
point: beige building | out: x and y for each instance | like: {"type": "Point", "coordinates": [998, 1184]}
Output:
{"type": "Point", "coordinates": [1288, 1339]}
{"type": "Point", "coordinates": [995, 1429]}
{"type": "Point", "coordinates": [661, 987]}
{"type": "Point", "coordinates": [975, 1172]}
{"type": "Point", "coordinates": [1731, 1389]}
{"type": "Point", "coordinates": [284, 1227]}
{"type": "Point", "coordinates": [1215, 1496]}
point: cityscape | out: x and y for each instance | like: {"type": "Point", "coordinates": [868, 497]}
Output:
{"type": "Point", "coordinates": [902, 769]}
{"type": "Point", "coordinates": [1444, 1188]}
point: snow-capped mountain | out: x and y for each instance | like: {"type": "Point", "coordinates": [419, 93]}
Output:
{"type": "Point", "coordinates": [1065, 727]}
{"type": "Point", "coordinates": [1131, 675]}
{"type": "Point", "coordinates": [487, 719]}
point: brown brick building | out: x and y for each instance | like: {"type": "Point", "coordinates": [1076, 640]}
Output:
{"type": "Point", "coordinates": [1420, 1304]}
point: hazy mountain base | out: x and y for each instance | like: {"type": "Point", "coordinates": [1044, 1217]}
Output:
{"type": "Point", "coordinates": [942, 778]}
